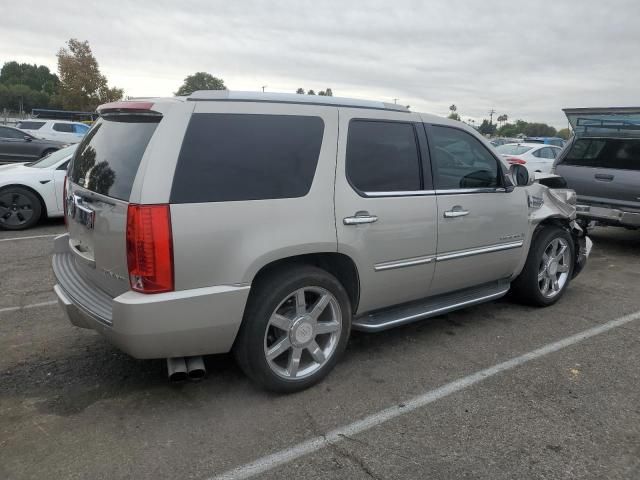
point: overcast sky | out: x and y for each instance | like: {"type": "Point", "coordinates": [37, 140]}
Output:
{"type": "Point", "coordinates": [527, 59]}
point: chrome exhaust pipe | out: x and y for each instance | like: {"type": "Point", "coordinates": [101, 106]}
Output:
{"type": "Point", "coordinates": [177, 369]}
{"type": "Point", "coordinates": [195, 368]}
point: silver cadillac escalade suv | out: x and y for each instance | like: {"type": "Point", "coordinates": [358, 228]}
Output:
{"type": "Point", "coordinates": [271, 225]}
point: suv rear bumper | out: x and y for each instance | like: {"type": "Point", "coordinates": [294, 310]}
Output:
{"type": "Point", "coordinates": [610, 216]}
{"type": "Point", "coordinates": [175, 324]}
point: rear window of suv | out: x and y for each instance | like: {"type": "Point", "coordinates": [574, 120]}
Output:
{"type": "Point", "coordinates": [616, 153]}
{"type": "Point", "coordinates": [30, 125]}
{"type": "Point", "coordinates": [233, 157]}
{"type": "Point", "coordinates": [108, 157]}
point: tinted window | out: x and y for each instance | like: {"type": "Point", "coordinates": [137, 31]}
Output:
{"type": "Point", "coordinates": [383, 156]}
{"type": "Point", "coordinates": [460, 161]}
{"type": "Point", "coordinates": [63, 127]}
{"type": "Point", "coordinates": [227, 157]}
{"type": "Point", "coordinates": [30, 125]}
{"type": "Point", "coordinates": [108, 157]}
{"type": "Point", "coordinates": [6, 132]}
{"type": "Point", "coordinates": [513, 149]}
{"type": "Point", "coordinates": [622, 154]}
{"type": "Point", "coordinates": [545, 152]}
{"type": "Point", "coordinates": [81, 129]}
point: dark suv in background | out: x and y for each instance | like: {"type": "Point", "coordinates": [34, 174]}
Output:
{"type": "Point", "coordinates": [602, 164]}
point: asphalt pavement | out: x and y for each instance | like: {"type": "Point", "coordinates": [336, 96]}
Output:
{"type": "Point", "coordinates": [489, 406]}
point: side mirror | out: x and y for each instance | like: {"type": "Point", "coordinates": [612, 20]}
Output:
{"type": "Point", "coordinates": [27, 138]}
{"type": "Point", "coordinates": [521, 176]}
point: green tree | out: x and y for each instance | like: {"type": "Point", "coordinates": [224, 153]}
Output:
{"type": "Point", "coordinates": [82, 86]}
{"type": "Point", "coordinates": [300, 91]}
{"type": "Point", "coordinates": [328, 92]}
{"type": "Point", "coordinates": [311, 92]}
{"type": "Point", "coordinates": [37, 77]}
{"type": "Point", "coordinates": [200, 81]}
{"type": "Point", "coordinates": [453, 113]}
{"type": "Point", "coordinates": [539, 130]}
{"type": "Point", "coordinates": [22, 98]}
{"type": "Point", "coordinates": [564, 133]}
{"type": "Point", "coordinates": [487, 128]}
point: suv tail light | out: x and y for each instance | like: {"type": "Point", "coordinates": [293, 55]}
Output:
{"type": "Point", "coordinates": [64, 201]}
{"type": "Point", "coordinates": [516, 161]}
{"type": "Point", "coordinates": [150, 248]}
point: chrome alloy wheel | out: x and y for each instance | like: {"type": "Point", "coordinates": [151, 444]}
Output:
{"type": "Point", "coordinates": [553, 271]}
{"type": "Point", "coordinates": [303, 333]}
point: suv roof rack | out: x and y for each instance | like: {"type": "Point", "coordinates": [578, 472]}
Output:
{"type": "Point", "coordinates": [236, 96]}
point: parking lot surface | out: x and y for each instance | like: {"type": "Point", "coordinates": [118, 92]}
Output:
{"type": "Point", "coordinates": [72, 406]}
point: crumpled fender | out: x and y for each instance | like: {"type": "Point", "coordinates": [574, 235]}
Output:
{"type": "Point", "coordinates": [553, 206]}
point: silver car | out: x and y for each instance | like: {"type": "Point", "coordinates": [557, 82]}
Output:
{"type": "Point", "coordinates": [602, 164]}
{"type": "Point", "coordinates": [271, 225]}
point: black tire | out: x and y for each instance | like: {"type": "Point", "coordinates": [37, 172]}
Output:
{"type": "Point", "coordinates": [266, 296]}
{"type": "Point", "coordinates": [527, 287]}
{"type": "Point", "coordinates": [47, 152]}
{"type": "Point", "coordinates": [20, 208]}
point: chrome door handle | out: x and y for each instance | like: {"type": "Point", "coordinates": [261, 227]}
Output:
{"type": "Point", "coordinates": [360, 218]}
{"type": "Point", "coordinates": [455, 212]}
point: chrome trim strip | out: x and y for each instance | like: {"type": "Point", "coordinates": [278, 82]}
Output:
{"type": "Point", "coordinates": [365, 327]}
{"type": "Point", "coordinates": [401, 193]}
{"type": "Point", "coordinates": [461, 191]}
{"type": "Point", "coordinates": [479, 251]}
{"type": "Point", "coordinates": [380, 267]}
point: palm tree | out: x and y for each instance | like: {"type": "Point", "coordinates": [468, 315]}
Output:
{"type": "Point", "coordinates": [453, 108]}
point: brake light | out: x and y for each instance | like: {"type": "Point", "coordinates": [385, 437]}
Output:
{"type": "Point", "coordinates": [516, 161]}
{"type": "Point", "coordinates": [64, 200]}
{"type": "Point", "coordinates": [150, 248]}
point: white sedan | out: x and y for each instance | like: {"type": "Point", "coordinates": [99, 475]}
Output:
{"type": "Point", "coordinates": [30, 191]}
{"type": "Point", "coordinates": [537, 157]}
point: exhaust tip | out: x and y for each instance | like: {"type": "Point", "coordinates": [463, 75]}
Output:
{"type": "Point", "coordinates": [177, 377]}
{"type": "Point", "coordinates": [195, 368]}
{"type": "Point", "coordinates": [177, 369]}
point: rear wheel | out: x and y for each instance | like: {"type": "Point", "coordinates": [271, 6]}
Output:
{"type": "Point", "coordinates": [19, 208]}
{"type": "Point", "coordinates": [548, 269]}
{"type": "Point", "coordinates": [296, 325]}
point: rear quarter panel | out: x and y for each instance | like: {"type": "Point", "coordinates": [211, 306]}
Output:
{"type": "Point", "coordinates": [222, 243]}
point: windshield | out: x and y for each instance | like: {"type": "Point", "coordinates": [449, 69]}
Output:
{"type": "Point", "coordinates": [513, 149]}
{"type": "Point", "coordinates": [54, 157]}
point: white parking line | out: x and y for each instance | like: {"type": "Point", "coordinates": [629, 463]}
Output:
{"type": "Point", "coordinates": [29, 238]}
{"type": "Point", "coordinates": [25, 307]}
{"type": "Point", "coordinates": [285, 456]}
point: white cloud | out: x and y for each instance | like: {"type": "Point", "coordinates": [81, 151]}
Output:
{"type": "Point", "coordinates": [526, 59]}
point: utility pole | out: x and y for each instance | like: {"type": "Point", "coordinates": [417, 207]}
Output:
{"type": "Point", "coordinates": [395, 100]}
{"type": "Point", "coordinates": [263, 87]}
{"type": "Point", "coordinates": [491, 112]}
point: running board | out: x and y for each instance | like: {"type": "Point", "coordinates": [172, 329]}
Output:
{"type": "Point", "coordinates": [384, 319]}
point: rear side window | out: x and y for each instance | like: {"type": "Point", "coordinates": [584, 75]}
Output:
{"type": "Point", "coordinates": [460, 161]}
{"type": "Point", "coordinates": [6, 132]}
{"type": "Point", "coordinates": [30, 125]}
{"type": "Point", "coordinates": [63, 127]}
{"type": "Point", "coordinates": [108, 157]}
{"type": "Point", "coordinates": [383, 156]}
{"type": "Point", "coordinates": [81, 129]}
{"type": "Point", "coordinates": [621, 154]}
{"type": "Point", "coordinates": [233, 157]}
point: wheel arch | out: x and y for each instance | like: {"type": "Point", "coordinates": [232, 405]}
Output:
{"type": "Point", "coordinates": [337, 264]}
{"type": "Point", "coordinates": [44, 212]}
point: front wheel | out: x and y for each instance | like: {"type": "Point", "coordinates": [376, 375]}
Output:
{"type": "Point", "coordinates": [548, 269]}
{"type": "Point", "coordinates": [296, 326]}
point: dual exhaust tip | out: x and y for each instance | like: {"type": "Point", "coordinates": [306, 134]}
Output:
{"type": "Point", "coordinates": [180, 369]}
